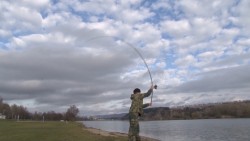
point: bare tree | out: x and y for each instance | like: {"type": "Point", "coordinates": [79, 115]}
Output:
{"type": "Point", "coordinates": [71, 113]}
{"type": "Point", "coordinates": [1, 100]}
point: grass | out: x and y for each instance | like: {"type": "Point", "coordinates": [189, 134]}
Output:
{"type": "Point", "coordinates": [48, 131]}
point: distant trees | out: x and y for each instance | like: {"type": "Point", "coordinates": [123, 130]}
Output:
{"type": "Point", "coordinates": [13, 111]}
{"type": "Point", "coordinates": [71, 113]}
{"type": "Point", "coordinates": [48, 116]}
{"type": "Point", "coordinates": [5, 108]}
{"type": "Point", "coordinates": [239, 109]}
{"type": "Point", "coordinates": [21, 112]}
{"type": "Point", "coordinates": [229, 109]}
{"type": "Point", "coordinates": [51, 115]}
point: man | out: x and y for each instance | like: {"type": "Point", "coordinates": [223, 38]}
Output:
{"type": "Point", "coordinates": [135, 111]}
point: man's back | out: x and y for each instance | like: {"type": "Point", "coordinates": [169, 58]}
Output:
{"type": "Point", "coordinates": [137, 101]}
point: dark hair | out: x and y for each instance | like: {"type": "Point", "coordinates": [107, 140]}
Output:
{"type": "Point", "coordinates": [137, 90]}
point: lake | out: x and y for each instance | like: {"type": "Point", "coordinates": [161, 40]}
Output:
{"type": "Point", "coordinates": [184, 130]}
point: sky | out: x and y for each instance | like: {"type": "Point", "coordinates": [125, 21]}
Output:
{"type": "Point", "coordinates": [57, 53]}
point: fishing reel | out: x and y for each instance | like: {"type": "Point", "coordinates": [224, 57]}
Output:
{"type": "Point", "coordinates": [155, 86]}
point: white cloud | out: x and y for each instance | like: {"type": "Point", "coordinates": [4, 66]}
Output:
{"type": "Point", "coordinates": [134, 16]}
{"type": "Point", "coordinates": [41, 40]}
{"type": "Point", "coordinates": [161, 4]}
{"type": "Point", "coordinates": [35, 4]}
{"type": "Point", "coordinates": [242, 9]}
{"type": "Point", "coordinates": [4, 33]}
{"type": "Point", "coordinates": [206, 58]}
{"type": "Point", "coordinates": [161, 65]}
{"type": "Point", "coordinates": [20, 17]}
{"type": "Point", "coordinates": [200, 8]}
{"type": "Point", "coordinates": [204, 28]}
{"type": "Point", "coordinates": [176, 28]}
{"type": "Point", "coordinates": [244, 42]}
{"type": "Point", "coordinates": [186, 61]}
{"type": "Point", "coordinates": [184, 45]}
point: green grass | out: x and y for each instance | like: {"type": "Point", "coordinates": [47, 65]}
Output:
{"type": "Point", "coordinates": [48, 131]}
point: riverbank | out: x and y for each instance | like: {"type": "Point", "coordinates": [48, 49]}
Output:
{"type": "Point", "coordinates": [113, 134]}
{"type": "Point", "coordinates": [55, 131]}
{"type": "Point", "coordinates": [49, 131]}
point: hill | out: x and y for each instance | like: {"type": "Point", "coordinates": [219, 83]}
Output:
{"type": "Point", "coordinates": [236, 109]}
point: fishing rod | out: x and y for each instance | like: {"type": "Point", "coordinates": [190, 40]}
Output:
{"type": "Point", "coordinates": [136, 50]}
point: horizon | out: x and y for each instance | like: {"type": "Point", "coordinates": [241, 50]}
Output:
{"type": "Point", "coordinates": [179, 106]}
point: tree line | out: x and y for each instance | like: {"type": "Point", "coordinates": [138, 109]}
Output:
{"type": "Point", "coordinates": [19, 112]}
{"type": "Point", "coordinates": [236, 109]}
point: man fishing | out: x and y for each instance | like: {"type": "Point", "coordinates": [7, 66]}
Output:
{"type": "Point", "coordinates": [136, 110]}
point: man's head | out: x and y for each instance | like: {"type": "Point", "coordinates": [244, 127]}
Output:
{"type": "Point", "coordinates": [137, 90]}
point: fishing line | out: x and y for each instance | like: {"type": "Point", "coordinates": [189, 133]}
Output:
{"type": "Point", "coordinates": [135, 49]}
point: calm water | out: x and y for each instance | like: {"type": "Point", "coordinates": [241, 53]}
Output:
{"type": "Point", "coordinates": [184, 130]}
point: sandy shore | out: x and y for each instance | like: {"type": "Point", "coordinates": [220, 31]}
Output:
{"type": "Point", "coordinates": [106, 133]}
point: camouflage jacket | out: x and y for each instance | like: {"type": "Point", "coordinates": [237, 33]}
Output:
{"type": "Point", "coordinates": [137, 102]}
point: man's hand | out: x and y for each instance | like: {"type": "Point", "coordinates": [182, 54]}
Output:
{"type": "Point", "coordinates": [153, 87]}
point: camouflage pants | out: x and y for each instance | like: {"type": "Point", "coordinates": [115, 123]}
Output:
{"type": "Point", "coordinates": [134, 129]}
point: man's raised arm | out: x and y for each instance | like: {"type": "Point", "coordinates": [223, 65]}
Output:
{"type": "Point", "coordinates": [149, 92]}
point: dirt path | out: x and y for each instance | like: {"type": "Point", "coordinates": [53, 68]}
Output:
{"type": "Point", "coordinates": [106, 133]}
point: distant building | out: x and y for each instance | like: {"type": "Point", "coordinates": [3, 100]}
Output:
{"type": "Point", "coordinates": [2, 116]}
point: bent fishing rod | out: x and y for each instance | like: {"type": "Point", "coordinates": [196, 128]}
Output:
{"type": "Point", "coordinates": [136, 50]}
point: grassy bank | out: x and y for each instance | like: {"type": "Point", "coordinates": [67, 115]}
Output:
{"type": "Point", "coordinates": [48, 131]}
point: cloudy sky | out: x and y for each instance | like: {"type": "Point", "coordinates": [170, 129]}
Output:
{"type": "Point", "coordinates": [57, 53]}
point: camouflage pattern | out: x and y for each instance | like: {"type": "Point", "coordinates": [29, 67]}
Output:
{"type": "Point", "coordinates": [134, 129]}
{"type": "Point", "coordinates": [137, 102]}
{"type": "Point", "coordinates": [135, 111]}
